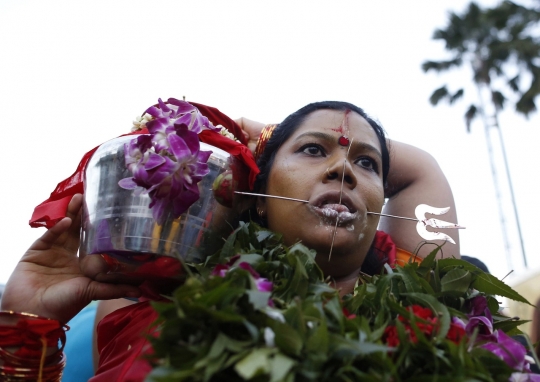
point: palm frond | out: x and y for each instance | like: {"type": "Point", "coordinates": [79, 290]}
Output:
{"type": "Point", "coordinates": [441, 65]}
{"type": "Point", "coordinates": [456, 96]}
{"type": "Point", "coordinates": [471, 113]}
{"type": "Point", "coordinates": [492, 40]}
{"type": "Point", "coordinates": [513, 83]}
{"type": "Point", "coordinates": [438, 95]}
{"type": "Point", "coordinates": [498, 99]}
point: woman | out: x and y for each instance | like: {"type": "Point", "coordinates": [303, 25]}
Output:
{"type": "Point", "coordinates": [330, 154]}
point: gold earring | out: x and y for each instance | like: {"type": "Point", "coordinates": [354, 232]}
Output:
{"type": "Point", "coordinates": [260, 212]}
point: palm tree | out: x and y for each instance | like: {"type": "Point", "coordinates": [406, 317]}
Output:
{"type": "Point", "coordinates": [503, 53]}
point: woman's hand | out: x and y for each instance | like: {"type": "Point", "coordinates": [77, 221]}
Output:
{"type": "Point", "coordinates": [48, 280]}
{"type": "Point", "coordinates": [252, 131]}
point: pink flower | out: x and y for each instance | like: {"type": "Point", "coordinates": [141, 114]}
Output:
{"type": "Point", "coordinates": [348, 315]}
{"type": "Point", "coordinates": [220, 270]}
{"type": "Point", "coordinates": [262, 284]}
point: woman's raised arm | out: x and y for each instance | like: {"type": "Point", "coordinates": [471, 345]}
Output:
{"type": "Point", "coordinates": [48, 280]}
{"type": "Point", "coordinates": [416, 178]}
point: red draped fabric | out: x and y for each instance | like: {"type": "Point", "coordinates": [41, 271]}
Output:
{"type": "Point", "coordinates": [218, 118]}
{"type": "Point", "coordinates": [122, 344]}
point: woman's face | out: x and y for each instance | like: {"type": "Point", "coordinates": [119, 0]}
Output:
{"type": "Point", "coordinates": [311, 165]}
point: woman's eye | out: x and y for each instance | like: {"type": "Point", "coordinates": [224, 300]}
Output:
{"type": "Point", "coordinates": [368, 163]}
{"type": "Point", "coordinates": [313, 150]}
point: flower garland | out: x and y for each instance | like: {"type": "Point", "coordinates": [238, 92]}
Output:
{"type": "Point", "coordinates": [168, 164]}
{"type": "Point", "coordinates": [261, 311]}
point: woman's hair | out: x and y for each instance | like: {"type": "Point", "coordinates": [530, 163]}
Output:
{"type": "Point", "coordinates": [373, 262]}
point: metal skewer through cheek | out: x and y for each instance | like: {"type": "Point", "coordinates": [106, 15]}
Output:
{"type": "Point", "coordinates": [421, 223]}
{"type": "Point", "coordinates": [420, 211]}
{"type": "Point", "coordinates": [307, 201]}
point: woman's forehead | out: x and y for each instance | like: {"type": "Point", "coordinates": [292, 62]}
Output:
{"type": "Point", "coordinates": [339, 123]}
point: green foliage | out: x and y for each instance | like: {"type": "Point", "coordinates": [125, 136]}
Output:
{"type": "Point", "coordinates": [223, 328]}
{"type": "Point", "coordinates": [470, 114]}
{"type": "Point", "coordinates": [493, 42]}
{"type": "Point", "coordinates": [438, 95]}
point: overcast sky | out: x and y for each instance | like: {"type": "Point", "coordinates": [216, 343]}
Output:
{"type": "Point", "coordinates": [74, 74]}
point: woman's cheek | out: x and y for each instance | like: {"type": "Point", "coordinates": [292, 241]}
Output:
{"type": "Point", "coordinates": [286, 178]}
{"type": "Point", "coordinates": [363, 229]}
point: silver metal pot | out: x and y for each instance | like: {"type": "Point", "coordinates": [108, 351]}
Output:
{"type": "Point", "coordinates": [118, 226]}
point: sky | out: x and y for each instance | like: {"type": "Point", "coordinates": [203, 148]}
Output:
{"type": "Point", "coordinates": [74, 74]}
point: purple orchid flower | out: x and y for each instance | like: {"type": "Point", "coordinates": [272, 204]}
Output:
{"type": "Point", "coordinates": [180, 112]}
{"type": "Point", "coordinates": [168, 164]}
{"type": "Point", "coordinates": [479, 305]}
{"type": "Point", "coordinates": [484, 327]}
{"type": "Point", "coordinates": [496, 341]}
{"type": "Point", "coordinates": [509, 350]}
{"type": "Point", "coordinates": [174, 182]}
{"type": "Point", "coordinates": [136, 153]}
{"type": "Point", "coordinates": [480, 319]}
{"type": "Point", "coordinates": [198, 121]}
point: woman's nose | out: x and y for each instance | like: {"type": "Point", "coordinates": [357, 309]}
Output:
{"type": "Point", "coordinates": [341, 169]}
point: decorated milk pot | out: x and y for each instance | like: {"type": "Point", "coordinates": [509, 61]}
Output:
{"type": "Point", "coordinates": [130, 246]}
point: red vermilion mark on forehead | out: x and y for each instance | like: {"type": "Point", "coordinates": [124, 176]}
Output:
{"type": "Point", "coordinates": [343, 128]}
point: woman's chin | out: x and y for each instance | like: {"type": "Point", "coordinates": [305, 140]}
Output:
{"type": "Point", "coordinates": [324, 237]}
{"type": "Point", "coordinates": [342, 244]}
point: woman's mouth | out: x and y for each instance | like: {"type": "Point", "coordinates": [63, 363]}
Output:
{"type": "Point", "coordinates": [335, 207]}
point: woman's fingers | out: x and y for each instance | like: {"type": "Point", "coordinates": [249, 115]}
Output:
{"type": "Point", "coordinates": [52, 236]}
{"type": "Point", "coordinates": [103, 291]}
{"type": "Point", "coordinates": [65, 233]}
{"type": "Point", "coordinates": [73, 235]}
{"type": "Point", "coordinates": [252, 131]}
{"type": "Point", "coordinates": [74, 206]}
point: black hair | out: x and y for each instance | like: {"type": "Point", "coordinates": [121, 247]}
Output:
{"type": "Point", "coordinates": [476, 262]}
{"type": "Point", "coordinates": [373, 261]}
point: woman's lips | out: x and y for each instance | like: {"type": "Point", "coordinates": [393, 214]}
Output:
{"type": "Point", "coordinates": [334, 206]}
{"type": "Point", "coordinates": [335, 212]}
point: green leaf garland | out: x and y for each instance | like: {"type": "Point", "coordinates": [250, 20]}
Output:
{"type": "Point", "coordinates": [225, 329]}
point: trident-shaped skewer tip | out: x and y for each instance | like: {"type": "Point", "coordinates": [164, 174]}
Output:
{"type": "Point", "coordinates": [423, 222]}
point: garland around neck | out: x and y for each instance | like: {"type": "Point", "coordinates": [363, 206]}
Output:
{"type": "Point", "coordinates": [261, 311]}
